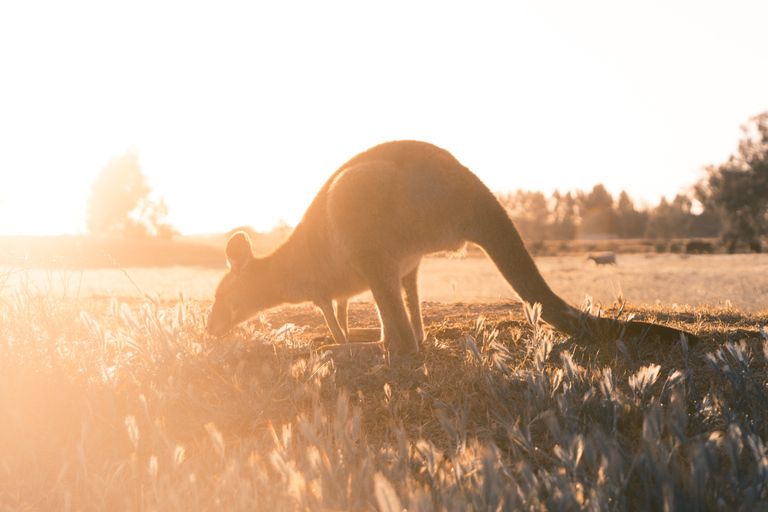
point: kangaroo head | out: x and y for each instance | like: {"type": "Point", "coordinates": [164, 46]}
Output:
{"type": "Point", "coordinates": [236, 297]}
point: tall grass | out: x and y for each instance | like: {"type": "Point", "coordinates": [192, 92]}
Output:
{"type": "Point", "coordinates": [106, 405]}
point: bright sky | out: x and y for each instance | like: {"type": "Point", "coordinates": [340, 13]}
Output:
{"type": "Point", "coordinates": [241, 110]}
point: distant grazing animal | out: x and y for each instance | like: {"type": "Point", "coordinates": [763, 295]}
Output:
{"type": "Point", "coordinates": [368, 228]}
{"type": "Point", "coordinates": [603, 258]}
{"type": "Point", "coordinates": [699, 247]}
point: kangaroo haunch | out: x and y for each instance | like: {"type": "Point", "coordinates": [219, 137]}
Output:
{"type": "Point", "coordinates": [368, 228]}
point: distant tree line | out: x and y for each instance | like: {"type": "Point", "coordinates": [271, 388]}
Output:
{"type": "Point", "coordinates": [733, 198]}
{"type": "Point", "coordinates": [597, 215]}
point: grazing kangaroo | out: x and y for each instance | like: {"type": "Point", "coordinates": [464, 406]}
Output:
{"type": "Point", "coordinates": [368, 228]}
{"type": "Point", "coordinates": [603, 258]}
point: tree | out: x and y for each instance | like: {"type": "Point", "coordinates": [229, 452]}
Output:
{"type": "Point", "coordinates": [630, 223]}
{"type": "Point", "coordinates": [530, 213]}
{"type": "Point", "coordinates": [564, 217]}
{"type": "Point", "coordinates": [738, 188]}
{"type": "Point", "coordinates": [120, 203]}
{"type": "Point", "coordinates": [670, 220]}
{"type": "Point", "coordinates": [597, 213]}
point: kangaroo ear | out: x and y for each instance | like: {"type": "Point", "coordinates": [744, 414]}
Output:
{"type": "Point", "coordinates": [239, 251]}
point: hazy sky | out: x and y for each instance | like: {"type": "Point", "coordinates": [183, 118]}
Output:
{"type": "Point", "coordinates": [241, 110]}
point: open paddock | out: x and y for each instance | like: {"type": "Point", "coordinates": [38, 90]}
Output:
{"type": "Point", "coordinates": [739, 280]}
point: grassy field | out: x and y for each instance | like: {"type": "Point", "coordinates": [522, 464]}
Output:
{"type": "Point", "coordinates": [111, 401]}
{"type": "Point", "coordinates": [739, 280]}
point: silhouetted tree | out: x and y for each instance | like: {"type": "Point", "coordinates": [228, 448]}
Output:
{"type": "Point", "coordinates": [564, 217]}
{"type": "Point", "coordinates": [706, 224]}
{"type": "Point", "coordinates": [738, 188]}
{"type": "Point", "coordinates": [630, 222]}
{"type": "Point", "coordinates": [119, 201]}
{"type": "Point", "coordinates": [530, 213]}
{"type": "Point", "coordinates": [597, 212]}
{"type": "Point", "coordinates": [670, 220]}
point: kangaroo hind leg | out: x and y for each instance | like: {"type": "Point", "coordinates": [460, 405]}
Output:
{"type": "Point", "coordinates": [396, 326]}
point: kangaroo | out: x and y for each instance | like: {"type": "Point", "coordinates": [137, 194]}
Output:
{"type": "Point", "coordinates": [603, 258]}
{"type": "Point", "coordinates": [368, 228]}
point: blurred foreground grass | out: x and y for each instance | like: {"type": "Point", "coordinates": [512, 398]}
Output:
{"type": "Point", "coordinates": [113, 405]}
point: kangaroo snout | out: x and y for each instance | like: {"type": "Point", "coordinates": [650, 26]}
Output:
{"type": "Point", "coordinates": [219, 321]}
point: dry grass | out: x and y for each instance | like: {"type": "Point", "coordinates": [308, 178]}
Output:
{"type": "Point", "coordinates": [128, 405]}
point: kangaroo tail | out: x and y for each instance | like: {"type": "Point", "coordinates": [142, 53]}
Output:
{"type": "Point", "coordinates": [493, 230]}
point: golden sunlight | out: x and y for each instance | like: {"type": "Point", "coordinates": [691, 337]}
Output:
{"type": "Point", "coordinates": [243, 125]}
{"type": "Point", "coordinates": [171, 338]}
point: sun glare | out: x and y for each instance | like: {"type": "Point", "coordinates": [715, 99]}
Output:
{"type": "Point", "coordinates": [239, 115]}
